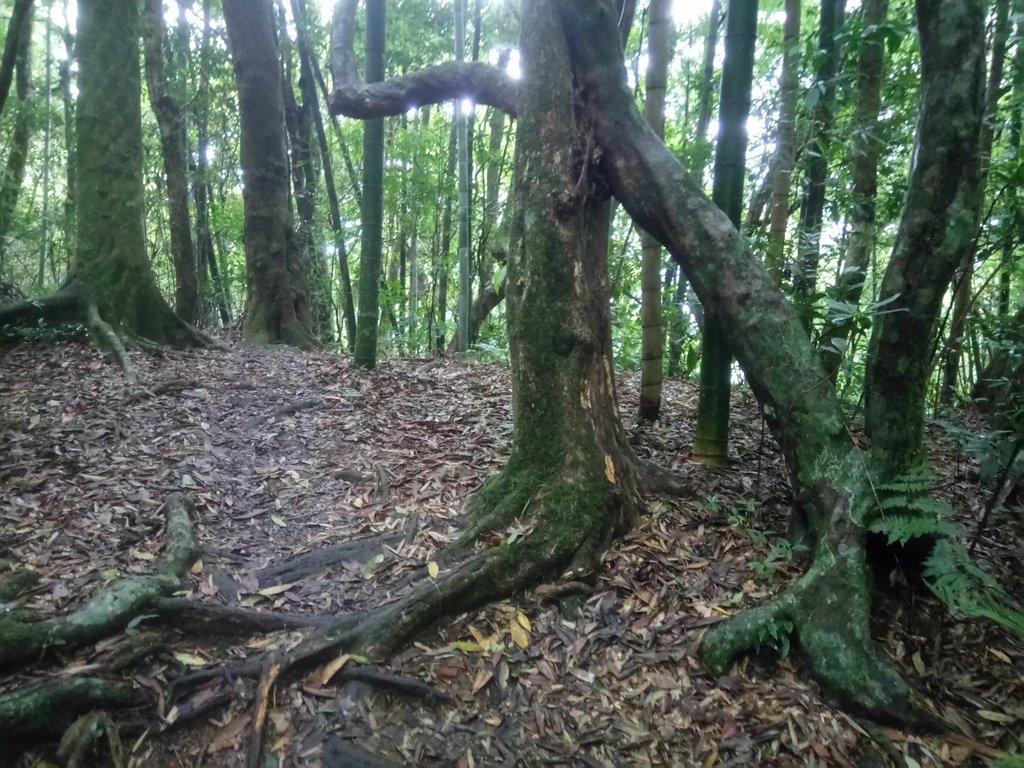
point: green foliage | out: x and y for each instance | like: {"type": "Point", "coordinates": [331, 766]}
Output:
{"type": "Point", "coordinates": [43, 334]}
{"type": "Point", "coordinates": [1013, 761]}
{"type": "Point", "coordinates": [905, 511]}
{"type": "Point", "coordinates": [959, 582]}
{"type": "Point", "coordinates": [774, 635]}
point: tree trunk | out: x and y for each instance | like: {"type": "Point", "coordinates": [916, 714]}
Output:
{"type": "Point", "coordinates": [679, 325]}
{"type": "Point", "coordinates": [308, 86]}
{"type": "Point", "coordinates": [299, 126]}
{"type": "Point", "coordinates": [373, 199]}
{"type": "Point", "coordinates": [112, 288]}
{"type": "Point", "coordinates": [938, 222]}
{"type": "Point", "coordinates": [441, 260]}
{"type": "Point", "coordinates": [14, 173]}
{"type": "Point", "coordinates": [865, 146]}
{"type": "Point", "coordinates": [462, 145]}
{"type": "Point", "coordinates": [201, 185]}
{"type": "Point", "coordinates": [170, 118]}
{"type": "Point", "coordinates": [805, 275]}
{"type": "Point", "coordinates": [19, 24]}
{"type": "Point", "coordinates": [571, 466]}
{"type": "Point", "coordinates": [785, 141]}
{"type": "Point", "coordinates": [962, 283]}
{"type": "Point", "coordinates": [115, 270]}
{"type": "Point", "coordinates": [828, 610]}
{"type": "Point", "coordinates": [653, 336]}
{"type": "Point", "coordinates": [277, 303]}
{"type": "Point", "coordinates": [711, 436]}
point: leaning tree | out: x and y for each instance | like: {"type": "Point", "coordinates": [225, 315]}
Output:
{"type": "Point", "coordinates": [112, 290]}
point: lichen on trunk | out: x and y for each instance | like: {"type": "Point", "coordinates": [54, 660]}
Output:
{"type": "Point", "coordinates": [571, 471]}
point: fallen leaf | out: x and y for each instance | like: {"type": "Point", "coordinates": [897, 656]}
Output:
{"type": "Point", "coordinates": [331, 668]}
{"type": "Point", "coordinates": [190, 659]}
{"type": "Point", "coordinates": [433, 569]}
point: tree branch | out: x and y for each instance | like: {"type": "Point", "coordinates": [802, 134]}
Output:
{"type": "Point", "coordinates": [474, 80]}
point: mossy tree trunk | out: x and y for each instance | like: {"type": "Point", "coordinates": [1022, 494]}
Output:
{"type": "Point", "coordinates": [827, 611]}
{"type": "Point", "coordinates": [111, 287]}
{"type": "Point", "coordinates": [938, 222]}
{"type": "Point", "coordinates": [113, 265]}
{"type": "Point", "coordinates": [277, 303]}
{"type": "Point", "coordinates": [571, 468]}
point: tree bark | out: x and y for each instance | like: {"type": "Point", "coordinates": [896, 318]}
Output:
{"type": "Point", "coordinates": [827, 611]}
{"type": "Point", "coordinates": [653, 336]}
{"type": "Point", "coordinates": [17, 26]}
{"type": "Point", "coordinates": [962, 282]}
{"type": "Point", "coordinates": [785, 141]}
{"type": "Point", "coordinates": [14, 173]}
{"type": "Point", "coordinates": [865, 147]}
{"type": "Point", "coordinates": [711, 435]}
{"type": "Point", "coordinates": [277, 302]}
{"type": "Point", "coordinates": [805, 273]}
{"type": "Point", "coordinates": [373, 200]}
{"type": "Point", "coordinates": [113, 266]}
{"type": "Point", "coordinates": [170, 118]}
{"type": "Point", "coordinates": [938, 222]}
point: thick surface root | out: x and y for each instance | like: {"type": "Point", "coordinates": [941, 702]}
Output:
{"type": "Point", "coordinates": [112, 609]}
{"type": "Point", "coordinates": [43, 711]}
{"type": "Point", "coordinates": [826, 614]}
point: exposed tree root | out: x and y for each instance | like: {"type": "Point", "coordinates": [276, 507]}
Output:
{"type": "Point", "coordinates": [109, 339]}
{"type": "Point", "coordinates": [68, 307]}
{"type": "Point", "coordinates": [58, 309]}
{"type": "Point", "coordinates": [360, 549]}
{"type": "Point", "coordinates": [658, 480]}
{"type": "Point", "coordinates": [827, 615]}
{"type": "Point", "coordinates": [207, 618]}
{"type": "Point", "coordinates": [43, 711]}
{"type": "Point", "coordinates": [114, 607]}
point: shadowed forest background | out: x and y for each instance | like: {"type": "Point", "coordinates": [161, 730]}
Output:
{"type": "Point", "coordinates": [449, 382]}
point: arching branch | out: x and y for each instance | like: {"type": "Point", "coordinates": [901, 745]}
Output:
{"type": "Point", "coordinates": [474, 80]}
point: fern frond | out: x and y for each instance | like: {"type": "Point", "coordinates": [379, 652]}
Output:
{"type": "Point", "coordinates": [959, 582]}
{"type": "Point", "coordinates": [901, 528]}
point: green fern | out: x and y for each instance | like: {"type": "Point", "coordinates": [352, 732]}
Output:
{"type": "Point", "coordinates": [915, 481]}
{"type": "Point", "coordinates": [905, 510]}
{"type": "Point", "coordinates": [901, 528]}
{"type": "Point", "coordinates": [959, 582]}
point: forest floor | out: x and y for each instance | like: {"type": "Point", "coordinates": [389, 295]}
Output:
{"type": "Point", "coordinates": [286, 452]}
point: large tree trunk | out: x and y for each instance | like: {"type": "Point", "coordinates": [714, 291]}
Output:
{"type": "Point", "coordinates": [277, 305]}
{"type": "Point", "coordinates": [170, 118]}
{"type": "Point", "coordinates": [114, 267]}
{"type": "Point", "coordinates": [112, 289]}
{"type": "Point", "coordinates": [571, 466]}
{"type": "Point", "coordinates": [938, 222]}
